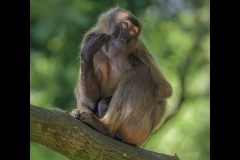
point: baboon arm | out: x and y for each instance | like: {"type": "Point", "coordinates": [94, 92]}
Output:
{"type": "Point", "coordinates": [89, 85]}
{"type": "Point", "coordinates": [88, 79]}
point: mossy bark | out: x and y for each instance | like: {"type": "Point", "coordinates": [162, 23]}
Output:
{"type": "Point", "coordinates": [60, 132]}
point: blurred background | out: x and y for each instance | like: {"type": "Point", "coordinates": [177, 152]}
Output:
{"type": "Point", "coordinates": [177, 33]}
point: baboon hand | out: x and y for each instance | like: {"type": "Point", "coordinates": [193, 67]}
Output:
{"type": "Point", "coordinates": [93, 45]}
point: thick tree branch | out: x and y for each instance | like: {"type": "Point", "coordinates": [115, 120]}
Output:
{"type": "Point", "coordinates": [59, 131]}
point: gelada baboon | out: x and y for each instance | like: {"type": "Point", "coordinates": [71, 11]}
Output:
{"type": "Point", "coordinates": [120, 90]}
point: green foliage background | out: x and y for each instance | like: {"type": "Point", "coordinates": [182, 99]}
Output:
{"type": "Point", "coordinates": [177, 32]}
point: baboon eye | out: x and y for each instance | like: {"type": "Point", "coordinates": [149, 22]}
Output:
{"type": "Point", "coordinates": [133, 31]}
{"type": "Point", "coordinates": [124, 25]}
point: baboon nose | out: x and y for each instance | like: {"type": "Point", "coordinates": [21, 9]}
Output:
{"type": "Point", "coordinates": [123, 40]}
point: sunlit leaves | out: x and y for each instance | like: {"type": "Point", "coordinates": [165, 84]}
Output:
{"type": "Point", "coordinates": [54, 44]}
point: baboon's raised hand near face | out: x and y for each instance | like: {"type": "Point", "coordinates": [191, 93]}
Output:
{"type": "Point", "coordinates": [120, 91]}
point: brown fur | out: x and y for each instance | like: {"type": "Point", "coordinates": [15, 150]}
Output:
{"type": "Point", "coordinates": [133, 79]}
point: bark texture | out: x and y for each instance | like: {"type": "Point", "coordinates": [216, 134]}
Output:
{"type": "Point", "coordinates": [60, 132]}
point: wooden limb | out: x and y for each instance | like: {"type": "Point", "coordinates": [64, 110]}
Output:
{"type": "Point", "coordinates": [60, 132]}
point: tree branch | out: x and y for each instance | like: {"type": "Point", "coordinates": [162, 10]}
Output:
{"type": "Point", "coordinates": [60, 132]}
